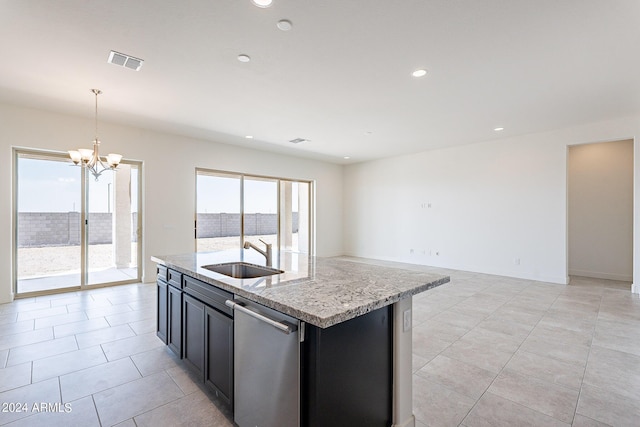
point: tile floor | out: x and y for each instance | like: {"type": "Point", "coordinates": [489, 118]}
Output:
{"type": "Point", "coordinates": [488, 350]}
{"type": "Point", "coordinates": [498, 351]}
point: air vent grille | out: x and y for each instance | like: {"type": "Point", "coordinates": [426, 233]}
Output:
{"type": "Point", "coordinates": [123, 60]}
{"type": "Point", "coordinates": [298, 140]}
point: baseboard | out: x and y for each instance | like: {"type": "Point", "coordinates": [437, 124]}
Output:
{"type": "Point", "coordinates": [12, 297]}
{"type": "Point", "coordinates": [528, 275]}
{"type": "Point", "coordinates": [410, 422]}
{"type": "Point", "coordinates": [635, 289]}
{"type": "Point", "coordinates": [600, 275]}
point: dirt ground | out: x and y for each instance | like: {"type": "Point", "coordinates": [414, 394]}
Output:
{"type": "Point", "coordinates": [37, 262]}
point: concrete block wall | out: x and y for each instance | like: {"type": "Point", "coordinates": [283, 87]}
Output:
{"type": "Point", "coordinates": [48, 228]}
{"type": "Point", "coordinates": [225, 225]}
{"type": "Point", "coordinates": [100, 228]}
{"type": "Point", "coordinates": [37, 229]}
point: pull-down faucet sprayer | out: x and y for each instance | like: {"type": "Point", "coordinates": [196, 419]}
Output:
{"type": "Point", "coordinates": [268, 253]}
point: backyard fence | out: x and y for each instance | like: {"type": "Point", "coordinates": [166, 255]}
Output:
{"type": "Point", "coordinates": [225, 224]}
{"type": "Point", "coordinates": [38, 229]}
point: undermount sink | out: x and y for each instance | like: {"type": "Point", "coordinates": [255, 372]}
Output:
{"type": "Point", "coordinates": [242, 270]}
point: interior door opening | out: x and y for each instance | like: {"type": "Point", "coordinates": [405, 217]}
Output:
{"type": "Point", "coordinates": [600, 210]}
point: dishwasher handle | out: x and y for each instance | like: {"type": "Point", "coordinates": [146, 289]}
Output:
{"type": "Point", "coordinates": [281, 326]}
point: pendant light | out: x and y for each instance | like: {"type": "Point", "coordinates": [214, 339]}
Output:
{"type": "Point", "coordinates": [90, 158]}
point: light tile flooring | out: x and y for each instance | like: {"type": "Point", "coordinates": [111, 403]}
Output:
{"type": "Point", "coordinates": [488, 350]}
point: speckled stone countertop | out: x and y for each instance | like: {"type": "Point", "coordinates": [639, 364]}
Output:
{"type": "Point", "coordinates": [320, 291]}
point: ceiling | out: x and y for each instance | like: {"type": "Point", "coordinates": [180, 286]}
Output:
{"type": "Point", "coordinates": [340, 78]}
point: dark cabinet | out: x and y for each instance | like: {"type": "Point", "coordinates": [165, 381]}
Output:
{"type": "Point", "coordinates": [161, 322]}
{"type": "Point", "coordinates": [169, 306]}
{"type": "Point", "coordinates": [174, 278]}
{"type": "Point", "coordinates": [208, 336]}
{"type": "Point", "coordinates": [347, 372]}
{"type": "Point", "coordinates": [219, 353]}
{"type": "Point", "coordinates": [193, 333]}
{"type": "Point", "coordinates": [174, 320]}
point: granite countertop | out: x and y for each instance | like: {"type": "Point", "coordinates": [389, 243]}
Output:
{"type": "Point", "coordinates": [320, 291]}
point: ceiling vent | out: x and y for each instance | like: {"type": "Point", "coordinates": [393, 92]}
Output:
{"type": "Point", "coordinates": [298, 140]}
{"type": "Point", "coordinates": [125, 60]}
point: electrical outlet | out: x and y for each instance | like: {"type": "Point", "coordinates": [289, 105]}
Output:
{"type": "Point", "coordinates": [516, 261]}
{"type": "Point", "coordinates": [406, 320]}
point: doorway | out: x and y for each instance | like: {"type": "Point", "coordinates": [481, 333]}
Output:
{"type": "Point", "coordinates": [600, 210]}
{"type": "Point", "coordinates": [71, 230]}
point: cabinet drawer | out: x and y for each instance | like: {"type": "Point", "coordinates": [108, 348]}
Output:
{"type": "Point", "coordinates": [209, 294]}
{"type": "Point", "coordinates": [175, 279]}
{"type": "Point", "coordinates": [162, 272]}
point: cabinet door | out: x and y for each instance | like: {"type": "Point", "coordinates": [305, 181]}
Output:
{"type": "Point", "coordinates": [174, 320]}
{"type": "Point", "coordinates": [193, 333]}
{"type": "Point", "coordinates": [161, 325]}
{"type": "Point", "coordinates": [219, 353]}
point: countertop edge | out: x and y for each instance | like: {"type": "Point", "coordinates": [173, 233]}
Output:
{"type": "Point", "coordinates": [321, 322]}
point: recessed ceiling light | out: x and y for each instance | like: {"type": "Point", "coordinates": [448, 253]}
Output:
{"type": "Point", "coordinates": [419, 73]}
{"type": "Point", "coordinates": [244, 58]}
{"type": "Point", "coordinates": [262, 3]}
{"type": "Point", "coordinates": [346, 157]}
{"type": "Point", "coordinates": [298, 140]}
{"type": "Point", "coordinates": [249, 136]}
{"type": "Point", "coordinates": [284, 25]}
{"type": "Point", "coordinates": [368, 133]}
{"type": "Point", "coordinates": [498, 129]}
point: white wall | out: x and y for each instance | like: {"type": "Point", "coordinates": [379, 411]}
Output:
{"type": "Point", "coordinates": [169, 163]}
{"type": "Point", "coordinates": [493, 204]}
{"type": "Point", "coordinates": [601, 210]}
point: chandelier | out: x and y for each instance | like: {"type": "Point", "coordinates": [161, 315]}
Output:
{"type": "Point", "coordinates": [90, 158]}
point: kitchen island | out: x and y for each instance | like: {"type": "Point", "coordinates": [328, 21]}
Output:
{"type": "Point", "coordinates": [349, 323]}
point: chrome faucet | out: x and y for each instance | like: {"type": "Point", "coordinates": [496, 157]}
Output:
{"type": "Point", "coordinates": [268, 253]}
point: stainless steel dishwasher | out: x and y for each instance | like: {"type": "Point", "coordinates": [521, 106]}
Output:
{"type": "Point", "coordinates": [266, 366]}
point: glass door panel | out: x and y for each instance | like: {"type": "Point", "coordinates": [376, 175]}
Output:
{"type": "Point", "coordinates": [261, 211]}
{"type": "Point", "coordinates": [112, 230]}
{"type": "Point", "coordinates": [48, 240]}
{"type": "Point", "coordinates": [294, 216]}
{"type": "Point", "coordinates": [218, 221]}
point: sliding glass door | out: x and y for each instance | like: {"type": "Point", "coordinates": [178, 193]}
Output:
{"type": "Point", "coordinates": [49, 204]}
{"type": "Point", "coordinates": [234, 208]}
{"type": "Point", "coordinates": [111, 224]}
{"type": "Point", "coordinates": [71, 230]}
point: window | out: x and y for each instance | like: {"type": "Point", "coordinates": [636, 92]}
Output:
{"type": "Point", "coordinates": [233, 208]}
